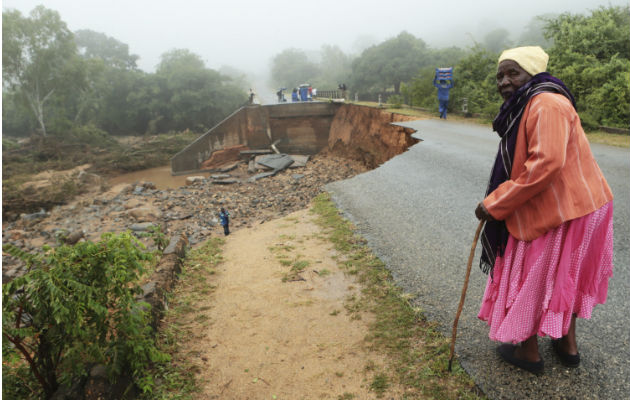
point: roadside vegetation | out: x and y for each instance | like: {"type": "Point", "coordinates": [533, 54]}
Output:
{"type": "Point", "coordinates": [76, 307]}
{"type": "Point", "coordinates": [587, 51]}
{"type": "Point", "coordinates": [419, 353]}
{"type": "Point", "coordinates": [176, 379]}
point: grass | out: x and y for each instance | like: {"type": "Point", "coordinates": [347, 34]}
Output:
{"type": "Point", "coordinates": [176, 379]}
{"type": "Point", "coordinates": [417, 352]}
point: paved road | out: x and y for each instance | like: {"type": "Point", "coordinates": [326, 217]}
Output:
{"type": "Point", "coordinates": [417, 213]}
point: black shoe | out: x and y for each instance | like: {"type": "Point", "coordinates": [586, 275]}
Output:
{"type": "Point", "coordinates": [568, 360]}
{"type": "Point", "coordinates": [506, 351]}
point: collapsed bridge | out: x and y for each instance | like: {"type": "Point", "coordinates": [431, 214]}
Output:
{"type": "Point", "coordinates": [358, 132]}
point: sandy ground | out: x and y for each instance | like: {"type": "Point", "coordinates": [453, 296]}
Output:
{"type": "Point", "coordinates": [269, 339]}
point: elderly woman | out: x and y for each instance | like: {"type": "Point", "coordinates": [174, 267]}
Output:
{"type": "Point", "coordinates": [548, 237]}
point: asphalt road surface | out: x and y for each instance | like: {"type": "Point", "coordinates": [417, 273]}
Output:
{"type": "Point", "coordinates": [417, 213]}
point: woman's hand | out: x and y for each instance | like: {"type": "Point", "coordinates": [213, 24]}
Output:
{"type": "Point", "coordinates": [482, 214]}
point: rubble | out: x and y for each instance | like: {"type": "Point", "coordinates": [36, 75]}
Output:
{"type": "Point", "coordinates": [190, 210]}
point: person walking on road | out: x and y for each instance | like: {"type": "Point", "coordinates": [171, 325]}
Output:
{"type": "Point", "coordinates": [225, 221]}
{"type": "Point", "coordinates": [444, 87]}
{"type": "Point", "coordinates": [548, 238]}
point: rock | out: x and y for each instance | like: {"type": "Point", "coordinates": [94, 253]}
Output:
{"type": "Point", "coordinates": [144, 214]}
{"type": "Point", "coordinates": [191, 180]}
{"type": "Point", "coordinates": [225, 181]}
{"type": "Point", "coordinates": [141, 227]}
{"type": "Point", "coordinates": [229, 167]}
{"type": "Point", "coordinates": [220, 176]}
{"type": "Point", "coordinates": [298, 161]}
{"type": "Point", "coordinates": [132, 203]}
{"type": "Point", "coordinates": [41, 214]}
{"type": "Point", "coordinates": [74, 237]}
{"type": "Point", "coordinates": [15, 234]}
{"type": "Point", "coordinates": [260, 176]}
{"type": "Point", "coordinates": [147, 185]}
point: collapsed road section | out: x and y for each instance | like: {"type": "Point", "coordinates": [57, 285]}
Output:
{"type": "Point", "coordinates": [360, 133]}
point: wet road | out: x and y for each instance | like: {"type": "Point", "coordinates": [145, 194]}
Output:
{"type": "Point", "coordinates": [417, 213]}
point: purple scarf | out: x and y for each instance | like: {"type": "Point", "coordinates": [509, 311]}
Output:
{"type": "Point", "coordinates": [495, 234]}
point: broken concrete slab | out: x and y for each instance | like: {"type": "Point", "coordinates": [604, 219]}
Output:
{"type": "Point", "coordinates": [227, 181]}
{"type": "Point", "coordinates": [298, 160]}
{"type": "Point", "coordinates": [260, 176]}
{"type": "Point", "coordinates": [229, 167]}
{"type": "Point", "coordinates": [275, 161]}
{"type": "Point", "coordinates": [220, 176]}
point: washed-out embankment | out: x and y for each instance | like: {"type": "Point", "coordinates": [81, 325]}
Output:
{"type": "Point", "coordinates": [355, 137]}
{"type": "Point", "coordinates": [360, 133]}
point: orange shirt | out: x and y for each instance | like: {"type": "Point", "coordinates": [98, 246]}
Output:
{"type": "Point", "coordinates": [554, 177]}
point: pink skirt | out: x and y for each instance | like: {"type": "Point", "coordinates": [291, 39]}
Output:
{"type": "Point", "coordinates": [537, 286]}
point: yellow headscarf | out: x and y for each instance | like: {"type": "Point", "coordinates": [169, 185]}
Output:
{"type": "Point", "coordinates": [532, 59]}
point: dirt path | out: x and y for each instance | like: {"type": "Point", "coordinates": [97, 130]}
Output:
{"type": "Point", "coordinates": [274, 339]}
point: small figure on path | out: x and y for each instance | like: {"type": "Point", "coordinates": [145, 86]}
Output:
{"type": "Point", "coordinates": [443, 81]}
{"type": "Point", "coordinates": [225, 221]}
{"type": "Point", "coordinates": [548, 238]}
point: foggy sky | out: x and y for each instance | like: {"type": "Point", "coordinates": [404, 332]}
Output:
{"type": "Point", "coordinates": [246, 34]}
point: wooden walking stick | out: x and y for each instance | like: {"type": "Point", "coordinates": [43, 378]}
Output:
{"type": "Point", "coordinates": [463, 297]}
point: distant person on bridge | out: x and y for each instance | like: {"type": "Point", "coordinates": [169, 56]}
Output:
{"type": "Point", "coordinates": [251, 96]}
{"type": "Point", "coordinates": [443, 83]}
{"type": "Point", "coordinates": [548, 238]}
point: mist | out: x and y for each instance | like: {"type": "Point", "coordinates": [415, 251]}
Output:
{"type": "Point", "coordinates": [246, 35]}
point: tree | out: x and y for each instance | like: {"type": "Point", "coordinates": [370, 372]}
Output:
{"type": "Point", "coordinates": [534, 32]}
{"type": "Point", "coordinates": [389, 64]}
{"type": "Point", "coordinates": [114, 53]}
{"type": "Point", "coordinates": [191, 95]}
{"type": "Point", "coordinates": [334, 67]}
{"type": "Point", "coordinates": [497, 40]}
{"type": "Point", "coordinates": [35, 52]}
{"type": "Point", "coordinates": [292, 67]}
{"type": "Point", "coordinates": [591, 54]}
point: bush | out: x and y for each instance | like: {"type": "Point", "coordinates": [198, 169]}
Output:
{"type": "Point", "coordinates": [395, 101]}
{"type": "Point", "coordinates": [90, 135]}
{"type": "Point", "coordinates": [76, 307]}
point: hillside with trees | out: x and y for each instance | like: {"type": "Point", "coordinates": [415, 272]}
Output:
{"type": "Point", "coordinates": [590, 53]}
{"type": "Point", "coordinates": [56, 81]}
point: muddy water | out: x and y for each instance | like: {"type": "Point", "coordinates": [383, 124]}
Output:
{"type": "Point", "coordinates": [160, 176]}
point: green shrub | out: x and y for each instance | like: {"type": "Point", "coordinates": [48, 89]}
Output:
{"type": "Point", "coordinates": [395, 101]}
{"type": "Point", "coordinates": [77, 306]}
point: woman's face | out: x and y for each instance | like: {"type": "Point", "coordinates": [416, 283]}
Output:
{"type": "Point", "coordinates": [510, 77]}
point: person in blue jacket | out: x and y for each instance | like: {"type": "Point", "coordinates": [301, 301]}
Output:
{"type": "Point", "coordinates": [225, 221]}
{"type": "Point", "coordinates": [443, 86]}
